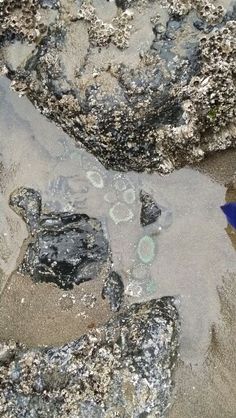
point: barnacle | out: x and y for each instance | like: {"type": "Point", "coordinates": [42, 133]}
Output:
{"type": "Point", "coordinates": [20, 20]}
{"type": "Point", "coordinates": [100, 33]}
{"type": "Point", "coordinates": [206, 9]}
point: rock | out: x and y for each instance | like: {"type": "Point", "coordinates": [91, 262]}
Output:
{"type": "Point", "coordinates": [67, 248]}
{"type": "Point", "coordinates": [113, 289]}
{"type": "Point", "coordinates": [27, 203]}
{"type": "Point", "coordinates": [7, 353]}
{"type": "Point", "coordinates": [139, 95]}
{"type": "Point", "coordinates": [122, 369]}
{"type": "Point", "coordinates": [150, 210]}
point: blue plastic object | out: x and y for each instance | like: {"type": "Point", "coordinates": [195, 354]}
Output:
{"type": "Point", "coordinates": [229, 210]}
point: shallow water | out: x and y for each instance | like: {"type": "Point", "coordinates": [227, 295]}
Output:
{"type": "Point", "coordinates": [192, 250]}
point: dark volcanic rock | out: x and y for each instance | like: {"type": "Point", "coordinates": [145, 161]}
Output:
{"type": "Point", "coordinates": [123, 369]}
{"type": "Point", "coordinates": [150, 210]}
{"type": "Point", "coordinates": [66, 248]}
{"type": "Point", "coordinates": [113, 289]}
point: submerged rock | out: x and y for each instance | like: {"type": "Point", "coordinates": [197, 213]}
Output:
{"type": "Point", "coordinates": [150, 210]}
{"type": "Point", "coordinates": [113, 289]}
{"type": "Point", "coordinates": [67, 248]}
{"type": "Point", "coordinates": [122, 369]}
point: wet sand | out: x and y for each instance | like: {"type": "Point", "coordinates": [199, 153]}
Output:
{"type": "Point", "coordinates": [210, 390]}
{"type": "Point", "coordinates": [42, 314]}
{"type": "Point", "coordinates": [194, 254]}
{"type": "Point", "coordinates": [220, 166]}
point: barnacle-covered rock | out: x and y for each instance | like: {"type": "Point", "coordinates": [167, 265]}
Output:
{"type": "Point", "coordinates": [64, 248]}
{"type": "Point", "coordinates": [143, 85]}
{"type": "Point", "coordinates": [212, 92]}
{"type": "Point", "coordinates": [122, 369]}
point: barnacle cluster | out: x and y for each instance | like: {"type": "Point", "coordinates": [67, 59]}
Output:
{"type": "Point", "coordinates": [101, 33]}
{"type": "Point", "coordinates": [213, 91]}
{"type": "Point", "coordinates": [207, 9]}
{"type": "Point", "coordinates": [20, 20]}
{"type": "Point", "coordinates": [179, 7]}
